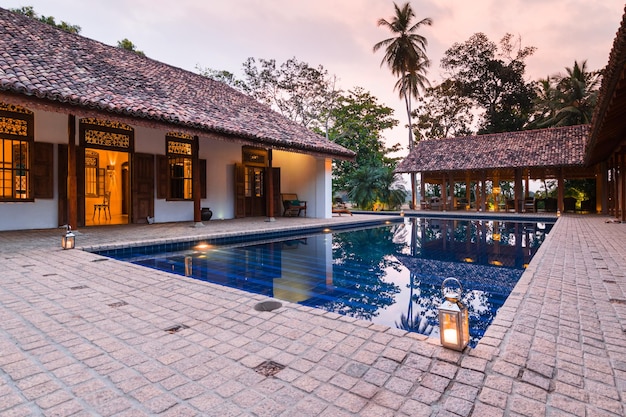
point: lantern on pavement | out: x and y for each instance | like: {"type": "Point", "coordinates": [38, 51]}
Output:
{"type": "Point", "coordinates": [453, 316]}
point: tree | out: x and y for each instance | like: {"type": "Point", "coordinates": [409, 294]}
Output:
{"type": "Point", "coordinates": [129, 46]}
{"type": "Point", "coordinates": [443, 113]}
{"type": "Point", "coordinates": [405, 55]}
{"type": "Point", "coordinates": [299, 92]}
{"type": "Point", "coordinates": [493, 77]}
{"type": "Point", "coordinates": [373, 185]}
{"type": "Point", "coordinates": [222, 76]}
{"type": "Point", "coordinates": [30, 12]}
{"type": "Point", "coordinates": [571, 99]}
{"type": "Point", "coordinates": [356, 122]}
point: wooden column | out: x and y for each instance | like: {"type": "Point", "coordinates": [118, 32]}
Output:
{"type": "Point", "coordinates": [195, 166]}
{"type": "Point", "coordinates": [483, 192]}
{"type": "Point", "coordinates": [270, 188]}
{"type": "Point", "coordinates": [622, 181]}
{"type": "Point", "coordinates": [452, 196]}
{"type": "Point", "coordinates": [468, 189]}
{"type": "Point", "coordinates": [422, 188]}
{"type": "Point", "coordinates": [444, 192]}
{"type": "Point", "coordinates": [527, 183]}
{"type": "Point", "coordinates": [560, 191]}
{"type": "Point", "coordinates": [519, 200]}
{"type": "Point", "coordinates": [601, 202]}
{"type": "Point", "coordinates": [72, 187]}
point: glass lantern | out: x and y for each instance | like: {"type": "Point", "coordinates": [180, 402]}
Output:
{"type": "Point", "coordinates": [453, 317]}
{"type": "Point", "coordinates": [68, 241]}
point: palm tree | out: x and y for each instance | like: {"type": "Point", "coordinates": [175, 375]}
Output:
{"type": "Point", "coordinates": [405, 55]}
{"type": "Point", "coordinates": [569, 99]}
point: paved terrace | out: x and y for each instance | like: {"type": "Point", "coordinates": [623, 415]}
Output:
{"type": "Point", "coordinates": [80, 336]}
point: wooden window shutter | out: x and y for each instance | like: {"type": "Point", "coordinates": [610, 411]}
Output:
{"type": "Point", "coordinates": [43, 170]}
{"type": "Point", "coordinates": [163, 174]}
{"type": "Point", "coordinates": [203, 192]}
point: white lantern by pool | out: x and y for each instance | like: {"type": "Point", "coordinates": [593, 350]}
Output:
{"type": "Point", "coordinates": [453, 317]}
{"type": "Point", "coordinates": [68, 241]}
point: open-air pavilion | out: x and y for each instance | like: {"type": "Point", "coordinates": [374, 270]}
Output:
{"type": "Point", "coordinates": [483, 164]}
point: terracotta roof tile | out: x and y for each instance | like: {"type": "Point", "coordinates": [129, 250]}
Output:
{"type": "Point", "coordinates": [42, 61]}
{"type": "Point", "coordinates": [563, 146]}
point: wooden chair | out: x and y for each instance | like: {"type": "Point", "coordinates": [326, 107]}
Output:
{"type": "Point", "coordinates": [340, 207]}
{"type": "Point", "coordinates": [292, 205]}
{"type": "Point", "coordinates": [529, 205]}
{"type": "Point", "coordinates": [105, 206]}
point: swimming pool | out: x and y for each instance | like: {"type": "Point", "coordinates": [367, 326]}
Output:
{"type": "Point", "coordinates": [390, 274]}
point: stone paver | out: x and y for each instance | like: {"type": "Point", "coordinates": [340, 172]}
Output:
{"type": "Point", "coordinates": [84, 335]}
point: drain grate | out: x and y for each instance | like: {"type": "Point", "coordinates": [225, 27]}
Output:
{"type": "Point", "coordinates": [609, 281]}
{"type": "Point", "coordinates": [100, 260]}
{"type": "Point", "coordinates": [118, 304]}
{"type": "Point", "coordinates": [267, 306]}
{"type": "Point", "coordinates": [79, 287]}
{"type": "Point", "coordinates": [617, 301]}
{"type": "Point", "coordinates": [269, 368]}
{"type": "Point", "coordinates": [177, 328]}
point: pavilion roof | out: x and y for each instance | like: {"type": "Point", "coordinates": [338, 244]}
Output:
{"type": "Point", "coordinates": [551, 147]}
{"type": "Point", "coordinates": [608, 129]}
{"type": "Point", "coordinates": [50, 66]}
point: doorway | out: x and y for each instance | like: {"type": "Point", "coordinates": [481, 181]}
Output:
{"type": "Point", "coordinates": [107, 187]}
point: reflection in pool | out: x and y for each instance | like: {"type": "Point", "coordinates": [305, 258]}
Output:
{"type": "Point", "coordinates": [389, 274]}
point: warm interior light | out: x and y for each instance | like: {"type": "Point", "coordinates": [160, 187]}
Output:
{"type": "Point", "coordinates": [68, 240]}
{"type": "Point", "coordinates": [468, 260]}
{"type": "Point", "coordinates": [496, 263]}
{"type": "Point", "coordinates": [496, 237]}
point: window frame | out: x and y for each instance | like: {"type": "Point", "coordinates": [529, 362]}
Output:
{"type": "Point", "coordinates": [20, 133]}
{"type": "Point", "coordinates": [179, 151]}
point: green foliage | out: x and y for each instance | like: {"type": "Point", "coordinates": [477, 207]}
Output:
{"type": "Point", "coordinates": [405, 55]}
{"type": "Point", "coordinates": [372, 185]}
{"type": "Point", "coordinates": [443, 112]}
{"type": "Point", "coordinates": [129, 46]}
{"type": "Point", "coordinates": [30, 12]}
{"type": "Point", "coordinates": [356, 122]}
{"type": "Point", "coordinates": [567, 99]}
{"type": "Point", "coordinates": [296, 90]}
{"type": "Point", "coordinates": [222, 76]}
{"type": "Point", "coordinates": [492, 77]}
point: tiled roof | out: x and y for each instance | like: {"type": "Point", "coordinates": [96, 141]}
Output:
{"type": "Point", "coordinates": [38, 60]}
{"type": "Point", "coordinates": [607, 125]}
{"type": "Point", "coordinates": [552, 147]}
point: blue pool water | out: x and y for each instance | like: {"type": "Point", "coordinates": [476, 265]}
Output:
{"type": "Point", "coordinates": [390, 274]}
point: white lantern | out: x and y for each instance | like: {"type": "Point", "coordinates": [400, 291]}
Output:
{"type": "Point", "coordinates": [453, 317]}
{"type": "Point", "coordinates": [68, 241]}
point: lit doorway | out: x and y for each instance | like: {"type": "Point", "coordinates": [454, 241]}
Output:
{"type": "Point", "coordinates": [107, 187]}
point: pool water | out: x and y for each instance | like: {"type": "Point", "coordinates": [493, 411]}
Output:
{"type": "Point", "coordinates": [389, 274]}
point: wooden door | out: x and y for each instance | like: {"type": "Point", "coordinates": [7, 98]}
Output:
{"type": "Point", "coordinates": [142, 186]}
{"type": "Point", "coordinates": [278, 203]}
{"type": "Point", "coordinates": [240, 191]}
{"type": "Point", "coordinates": [62, 186]}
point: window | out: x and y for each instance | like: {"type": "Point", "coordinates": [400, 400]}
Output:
{"type": "Point", "coordinates": [254, 182]}
{"type": "Point", "coordinates": [16, 141]}
{"type": "Point", "coordinates": [179, 158]}
{"type": "Point", "coordinates": [94, 176]}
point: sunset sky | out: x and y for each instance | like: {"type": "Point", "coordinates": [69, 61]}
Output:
{"type": "Point", "coordinates": [339, 34]}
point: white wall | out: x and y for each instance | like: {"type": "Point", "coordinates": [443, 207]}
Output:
{"type": "Point", "coordinates": [305, 175]}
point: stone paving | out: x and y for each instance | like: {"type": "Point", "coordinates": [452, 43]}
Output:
{"type": "Point", "coordinates": [83, 335]}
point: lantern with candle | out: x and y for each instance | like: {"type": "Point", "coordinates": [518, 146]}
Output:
{"type": "Point", "coordinates": [453, 316]}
